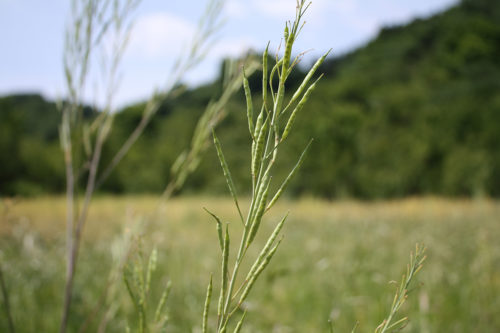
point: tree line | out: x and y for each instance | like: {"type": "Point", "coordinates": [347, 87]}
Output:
{"type": "Point", "coordinates": [416, 111]}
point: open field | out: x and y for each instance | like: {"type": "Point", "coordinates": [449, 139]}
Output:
{"type": "Point", "coordinates": [335, 262]}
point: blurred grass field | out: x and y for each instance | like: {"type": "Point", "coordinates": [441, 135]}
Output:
{"type": "Point", "coordinates": [335, 262]}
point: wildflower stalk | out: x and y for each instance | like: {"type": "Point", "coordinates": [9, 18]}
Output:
{"type": "Point", "coordinates": [266, 136]}
{"type": "Point", "coordinates": [96, 21]}
{"type": "Point", "coordinates": [414, 266]}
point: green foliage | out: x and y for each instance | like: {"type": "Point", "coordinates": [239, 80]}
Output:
{"type": "Point", "coordinates": [266, 138]}
{"type": "Point", "coordinates": [415, 111]}
{"type": "Point", "coordinates": [28, 133]}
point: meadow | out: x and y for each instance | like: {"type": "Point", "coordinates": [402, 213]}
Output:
{"type": "Point", "coordinates": [336, 262]}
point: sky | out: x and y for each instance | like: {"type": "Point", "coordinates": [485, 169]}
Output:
{"type": "Point", "coordinates": [32, 38]}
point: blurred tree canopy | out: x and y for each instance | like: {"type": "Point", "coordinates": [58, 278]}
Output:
{"type": "Point", "coordinates": [414, 112]}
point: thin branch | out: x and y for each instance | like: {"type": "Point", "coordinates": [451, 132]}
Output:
{"type": "Point", "coordinates": [199, 46]}
{"type": "Point", "coordinates": [70, 190]}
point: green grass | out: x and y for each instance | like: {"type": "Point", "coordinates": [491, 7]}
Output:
{"type": "Point", "coordinates": [335, 262]}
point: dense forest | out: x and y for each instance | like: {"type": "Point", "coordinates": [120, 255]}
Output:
{"type": "Point", "coordinates": [414, 112]}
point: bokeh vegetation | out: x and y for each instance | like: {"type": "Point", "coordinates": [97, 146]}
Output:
{"type": "Point", "coordinates": [414, 112]}
{"type": "Point", "coordinates": [335, 262]}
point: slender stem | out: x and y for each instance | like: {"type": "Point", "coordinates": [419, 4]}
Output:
{"type": "Point", "coordinates": [124, 149]}
{"type": "Point", "coordinates": [82, 60]}
{"type": "Point", "coordinates": [80, 45]}
{"type": "Point", "coordinates": [77, 235]}
{"type": "Point", "coordinates": [242, 249]}
{"type": "Point", "coordinates": [68, 160]}
{"type": "Point", "coordinates": [154, 104]}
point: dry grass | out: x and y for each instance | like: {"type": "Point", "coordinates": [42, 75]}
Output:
{"type": "Point", "coordinates": [46, 214]}
{"type": "Point", "coordinates": [335, 261]}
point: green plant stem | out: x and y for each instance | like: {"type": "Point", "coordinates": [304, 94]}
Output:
{"type": "Point", "coordinates": [265, 142]}
{"type": "Point", "coordinates": [416, 262]}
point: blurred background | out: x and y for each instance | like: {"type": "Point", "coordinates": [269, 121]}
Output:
{"type": "Point", "coordinates": [406, 129]}
{"type": "Point", "coordinates": [409, 104]}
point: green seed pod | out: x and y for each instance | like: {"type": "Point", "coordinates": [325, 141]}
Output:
{"type": "Point", "coordinates": [258, 127]}
{"type": "Point", "coordinates": [248, 96]}
{"type": "Point", "coordinates": [264, 76]}
{"type": "Point", "coordinates": [288, 53]}
{"type": "Point", "coordinates": [225, 259]}
{"type": "Point", "coordinates": [240, 323]}
{"type": "Point", "coordinates": [204, 327]}
{"type": "Point", "coordinates": [261, 208]}
{"type": "Point", "coordinates": [306, 80]}
{"type": "Point", "coordinates": [259, 148]}
{"type": "Point", "coordinates": [258, 123]}
{"type": "Point", "coordinates": [286, 64]}
{"type": "Point", "coordinates": [253, 156]}
{"type": "Point", "coordinates": [224, 278]}
{"type": "Point", "coordinates": [266, 248]}
{"type": "Point", "coordinates": [299, 107]}
{"type": "Point", "coordinates": [259, 270]}
{"type": "Point", "coordinates": [219, 228]}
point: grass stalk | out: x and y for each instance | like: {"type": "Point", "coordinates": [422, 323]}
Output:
{"type": "Point", "coordinates": [92, 20]}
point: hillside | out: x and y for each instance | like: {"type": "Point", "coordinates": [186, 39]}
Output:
{"type": "Point", "coordinates": [416, 111]}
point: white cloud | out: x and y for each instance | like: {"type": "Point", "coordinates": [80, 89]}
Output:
{"type": "Point", "coordinates": [160, 34]}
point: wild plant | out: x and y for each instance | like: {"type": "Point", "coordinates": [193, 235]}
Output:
{"type": "Point", "coordinates": [390, 324]}
{"type": "Point", "coordinates": [268, 132]}
{"type": "Point", "coordinates": [82, 138]}
{"type": "Point", "coordinates": [137, 277]}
